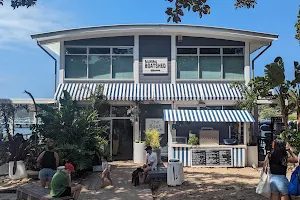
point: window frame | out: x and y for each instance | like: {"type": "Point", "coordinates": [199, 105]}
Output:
{"type": "Point", "coordinates": [222, 55]}
{"type": "Point", "coordinates": [111, 54]}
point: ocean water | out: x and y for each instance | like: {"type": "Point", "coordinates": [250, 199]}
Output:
{"type": "Point", "coordinates": [24, 131]}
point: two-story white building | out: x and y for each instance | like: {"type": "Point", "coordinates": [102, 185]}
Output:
{"type": "Point", "coordinates": [177, 77]}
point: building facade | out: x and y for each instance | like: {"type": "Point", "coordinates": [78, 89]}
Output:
{"type": "Point", "coordinates": [177, 78]}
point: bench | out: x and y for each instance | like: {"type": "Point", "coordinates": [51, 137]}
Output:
{"type": "Point", "coordinates": [34, 191]}
{"type": "Point", "coordinates": [157, 176]}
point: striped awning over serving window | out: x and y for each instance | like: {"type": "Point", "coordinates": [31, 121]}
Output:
{"type": "Point", "coordinates": [208, 116]}
{"type": "Point", "coordinates": [156, 92]}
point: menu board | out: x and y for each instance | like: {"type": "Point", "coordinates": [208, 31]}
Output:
{"type": "Point", "coordinates": [211, 157]}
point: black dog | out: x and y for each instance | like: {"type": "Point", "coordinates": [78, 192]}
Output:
{"type": "Point", "coordinates": [136, 176]}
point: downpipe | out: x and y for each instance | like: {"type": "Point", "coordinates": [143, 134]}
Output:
{"type": "Point", "coordinates": [55, 64]}
{"type": "Point", "coordinates": [255, 128]}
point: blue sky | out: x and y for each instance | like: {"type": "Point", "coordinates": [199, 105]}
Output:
{"type": "Point", "coordinates": [26, 67]}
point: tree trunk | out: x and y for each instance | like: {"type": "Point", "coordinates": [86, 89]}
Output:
{"type": "Point", "coordinates": [284, 112]}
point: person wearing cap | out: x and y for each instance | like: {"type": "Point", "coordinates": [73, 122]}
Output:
{"type": "Point", "coordinates": [61, 185]}
{"type": "Point", "coordinates": [151, 162]}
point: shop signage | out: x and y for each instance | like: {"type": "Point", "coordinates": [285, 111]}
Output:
{"type": "Point", "coordinates": [211, 158]}
{"type": "Point", "coordinates": [155, 123]}
{"type": "Point", "coordinates": [155, 65]}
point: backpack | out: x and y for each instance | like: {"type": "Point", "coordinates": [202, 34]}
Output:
{"type": "Point", "coordinates": [294, 185]}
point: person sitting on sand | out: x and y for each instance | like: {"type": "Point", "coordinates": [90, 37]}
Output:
{"type": "Point", "coordinates": [48, 161]}
{"type": "Point", "coordinates": [151, 162]}
{"type": "Point", "coordinates": [105, 171]}
{"type": "Point", "coordinates": [61, 185]}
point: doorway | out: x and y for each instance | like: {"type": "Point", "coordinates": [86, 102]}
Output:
{"type": "Point", "coordinates": [122, 140]}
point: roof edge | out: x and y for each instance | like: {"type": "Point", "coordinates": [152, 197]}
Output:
{"type": "Point", "coordinates": [133, 26]}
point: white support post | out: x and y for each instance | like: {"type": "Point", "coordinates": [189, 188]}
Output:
{"type": "Point", "coordinates": [62, 62]}
{"type": "Point", "coordinates": [247, 63]}
{"type": "Point", "coordinates": [174, 132]}
{"type": "Point", "coordinates": [246, 133]}
{"type": "Point", "coordinates": [173, 58]}
{"type": "Point", "coordinates": [170, 141]}
{"type": "Point", "coordinates": [136, 58]}
{"type": "Point", "coordinates": [136, 129]}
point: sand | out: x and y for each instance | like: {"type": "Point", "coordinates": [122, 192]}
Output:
{"type": "Point", "coordinates": [214, 183]}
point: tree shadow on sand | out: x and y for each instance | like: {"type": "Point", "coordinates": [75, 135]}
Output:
{"type": "Point", "coordinates": [122, 189]}
{"type": "Point", "coordinates": [204, 185]}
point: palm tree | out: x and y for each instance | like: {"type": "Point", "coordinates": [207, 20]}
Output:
{"type": "Point", "coordinates": [274, 79]}
{"type": "Point", "coordinates": [295, 92]}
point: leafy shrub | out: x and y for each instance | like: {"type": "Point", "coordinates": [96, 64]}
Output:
{"type": "Point", "coordinates": [77, 132]}
{"type": "Point", "coordinates": [193, 140]}
{"type": "Point", "coordinates": [292, 137]}
{"type": "Point", "coordinates": [152, 138]}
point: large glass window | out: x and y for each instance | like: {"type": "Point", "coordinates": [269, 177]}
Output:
{"type": "Point", "coordinates": [210, 67]}
{"type": "Point", "coordinates": [122, 67]}
{"type": "Point", "coordinates": [187, 67]}
{"type": "Point", "coordinates": [233, 67]}
{"type": "Point", "coordinates": [99, 67]}
{"type": "Point", "coordinates": [99, 62]}
{"type": "Point", "coordinates": [210, 63]}
{"type": "Point", "coordinates": [76, 66]}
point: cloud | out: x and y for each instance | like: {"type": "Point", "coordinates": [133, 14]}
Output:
{"type": "Point", "coordinates": [17, 25]}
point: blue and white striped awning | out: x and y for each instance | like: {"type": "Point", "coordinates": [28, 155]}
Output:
{"type": "Point", "coordinates": [112, 91]}
{"type": "Point", "coordinates": [156, 92]}
{"type": "Point", "coordinates": [208, 116]}
{"type": "Point", "coordinates": [196, 91]}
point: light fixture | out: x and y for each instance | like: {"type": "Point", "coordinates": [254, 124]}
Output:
{"type": "Point", "coordinates": [180, 38]}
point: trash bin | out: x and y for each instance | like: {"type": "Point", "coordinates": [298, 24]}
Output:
{"type": "Point", "coordinates": [175, 174]}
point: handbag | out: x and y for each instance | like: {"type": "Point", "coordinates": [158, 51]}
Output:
{"type": "Point", "coordinates": [264, 188]}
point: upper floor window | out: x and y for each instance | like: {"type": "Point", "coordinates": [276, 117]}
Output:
{"type": "Point", "coordinates": [99, 63]}
{"type": "Point", "coordinates": [210, 63]}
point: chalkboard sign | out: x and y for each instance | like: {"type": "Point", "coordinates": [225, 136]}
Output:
{"type": "Point", "coordinates": [211, 157]}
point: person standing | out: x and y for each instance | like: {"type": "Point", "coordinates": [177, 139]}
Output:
{"type": "Point", "coordinates": [61, 184]}
{"type": "Point", "coordinates": [278, 160]}
{"type": "Point", "coordinates": [105, 171]}
{"type": "Point", "coordinates": [48, 161]}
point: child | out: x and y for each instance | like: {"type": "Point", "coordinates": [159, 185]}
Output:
{"type": "Point", "coordinates": [105, 171]}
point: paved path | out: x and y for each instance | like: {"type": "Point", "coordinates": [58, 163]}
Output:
{"type": "Point", "coordinates": [123, 188]}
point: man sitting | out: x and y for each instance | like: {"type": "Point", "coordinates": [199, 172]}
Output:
{"type": "Point", "coordinates": [61, 185]}
{"type": "Point", "coordinates": [151, 162]}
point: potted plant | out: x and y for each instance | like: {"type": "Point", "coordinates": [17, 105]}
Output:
{"type": "Point", "coordinates": [139, 155]}
{"type": "Point", "coordinates": [193, 140]}
{"type": "Point", "coordinates": [17, 148]}
{"type": "Point", "coordinates": [152, 139]}
{"type": "Point", "coordinates": [32, 168]}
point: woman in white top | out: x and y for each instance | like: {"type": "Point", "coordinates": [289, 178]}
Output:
{"type": "Point", "coordinates": [105, 171]}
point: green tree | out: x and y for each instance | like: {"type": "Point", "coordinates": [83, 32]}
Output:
{"type": "Point", "coordinates": [266, 112]}
{"type": "Point", "coordinates": [275, 79]}
{"type": "Point", "coordinates": [294, 93]}
{"type": "Point", "coordinates": [74, 130]}
{"type": "Point", "coordinates": [297, 26]}
{"type": "Point", "coordinates": [249, 102]}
